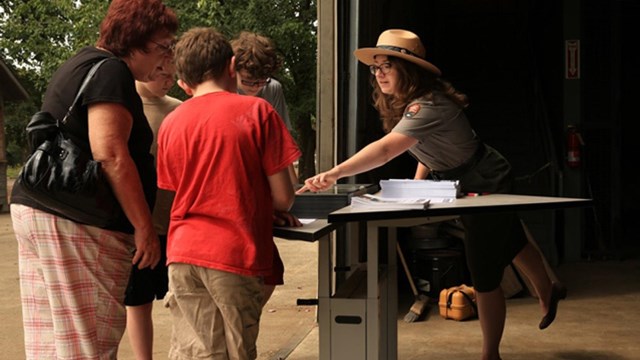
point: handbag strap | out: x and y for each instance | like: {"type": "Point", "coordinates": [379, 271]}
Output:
{"type": "Point", "coordinates": [85, 82]}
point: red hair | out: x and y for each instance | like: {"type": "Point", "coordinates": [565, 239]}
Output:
{"type": "Point", "coordinates": [131, 24]}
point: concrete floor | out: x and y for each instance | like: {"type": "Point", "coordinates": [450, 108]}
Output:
{"type": "Point", "coordinates": [600, 319]}
{"type": "Point", "coordinates": [284, 325]}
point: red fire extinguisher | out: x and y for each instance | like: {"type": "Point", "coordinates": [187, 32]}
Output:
{"type": "Point", "coordinates": [574, 143]}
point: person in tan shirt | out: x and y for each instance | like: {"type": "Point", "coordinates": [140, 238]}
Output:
{"type": "Point", "coordinates": [147, 285]}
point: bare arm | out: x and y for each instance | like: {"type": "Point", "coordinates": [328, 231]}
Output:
{"type": "Point", "coordinates": [370, 157]}
{"type": "Point", "coordinates": [109, 130]}
{"type": "Point", "coordinates": [421, 172]}
{"type": "Point", "coordinates": [281, 190]}
{"type": "Point", "coordinates": [283, 197]}
{"type": "Point", "coordinates": [292, 175]}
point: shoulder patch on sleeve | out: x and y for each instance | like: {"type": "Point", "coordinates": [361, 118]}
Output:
{"type": "Point", "coordinates": [412, 110]}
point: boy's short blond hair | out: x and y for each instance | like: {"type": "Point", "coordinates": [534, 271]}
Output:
{"type": "Point", "coordinates": [256, 54]}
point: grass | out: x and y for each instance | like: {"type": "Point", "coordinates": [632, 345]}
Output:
{"type": "Point", "coordinates": [12, 171]}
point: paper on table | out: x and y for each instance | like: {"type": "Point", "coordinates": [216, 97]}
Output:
{"type": "Point", "coordinates": [441, 200]}
{"type": "Point", "coordinates": [378, 202]}
{"type": "Point", "coordinates": [422, 184]}
{"type": "Point", "coordinates": [306, 221]}
{"type": "Point", "coordinates": [406, 188]}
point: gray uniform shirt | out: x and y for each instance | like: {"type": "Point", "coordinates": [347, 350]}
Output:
{"type": "Point", "coordinates": [445, 137]}
{"type": "Point", "coordinates": [446, 141]}
{"type": "Point", "coordinates": [273, 93]}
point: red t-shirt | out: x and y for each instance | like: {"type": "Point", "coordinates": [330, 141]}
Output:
{"type": "Point", "coordinates": [215, 152]}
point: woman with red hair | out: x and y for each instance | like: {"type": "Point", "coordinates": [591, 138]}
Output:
{"type": "Point", "coordinates": [73, 276]}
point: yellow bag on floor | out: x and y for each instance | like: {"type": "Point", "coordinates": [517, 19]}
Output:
{"type": "Point", "coordinates": [458, 303]}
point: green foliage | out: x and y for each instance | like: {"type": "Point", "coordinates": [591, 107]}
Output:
{"type": "Point", "coordinates": [13, 171]}
{"type": "Point", "coordinates": [36, 36]}
{"type": "Point", "coordinates": [16, 117]}
{"type": "Point", "coordinates": [291, 24]}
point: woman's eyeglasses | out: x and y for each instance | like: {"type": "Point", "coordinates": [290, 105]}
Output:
{"type": "Point", "coordinates": [167, 49]}
{"type": "Point", "coordinates": [384, 68]}
{"type": "Point", "coordinates": [259, 83]}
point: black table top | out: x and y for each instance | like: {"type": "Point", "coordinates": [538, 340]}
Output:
{"type": "Point", "coordinates": [308, 232]}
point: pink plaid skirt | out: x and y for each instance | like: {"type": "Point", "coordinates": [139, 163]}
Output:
{"type": "Point", "coordinates": [72, 282]}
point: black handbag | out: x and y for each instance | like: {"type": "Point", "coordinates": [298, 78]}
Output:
{"type": "Point", "coordinates": [63, 177]}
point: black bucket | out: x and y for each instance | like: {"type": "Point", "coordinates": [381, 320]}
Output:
{"type": "Point", "coordinates": [440, 268]}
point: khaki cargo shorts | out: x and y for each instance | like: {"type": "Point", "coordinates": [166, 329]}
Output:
{"type": "Point", "coordinates": [216, 314]}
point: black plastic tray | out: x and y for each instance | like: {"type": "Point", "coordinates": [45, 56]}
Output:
{"type": "Point", "coordinates": [318, 205]}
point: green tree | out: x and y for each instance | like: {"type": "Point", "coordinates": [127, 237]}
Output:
{"type": "Point", "coordinates": [36, 36]}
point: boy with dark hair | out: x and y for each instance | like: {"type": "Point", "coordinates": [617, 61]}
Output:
{"type": "Point", "coordinates": [226, 157]}
{"type": "Point", "coordinates": [256, 62]}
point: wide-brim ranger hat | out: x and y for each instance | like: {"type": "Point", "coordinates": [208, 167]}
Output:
{"type": "Point", "coordinates": [399, 43]}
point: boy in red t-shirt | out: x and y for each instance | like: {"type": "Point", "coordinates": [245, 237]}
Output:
{"type": "Point", "coordinates": [226, 158]}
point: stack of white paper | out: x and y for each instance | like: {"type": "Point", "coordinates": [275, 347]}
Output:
{"type": "Point", "coordinates": [384, 203]}
{"type": "Point", "coordinates": [444, 190]}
